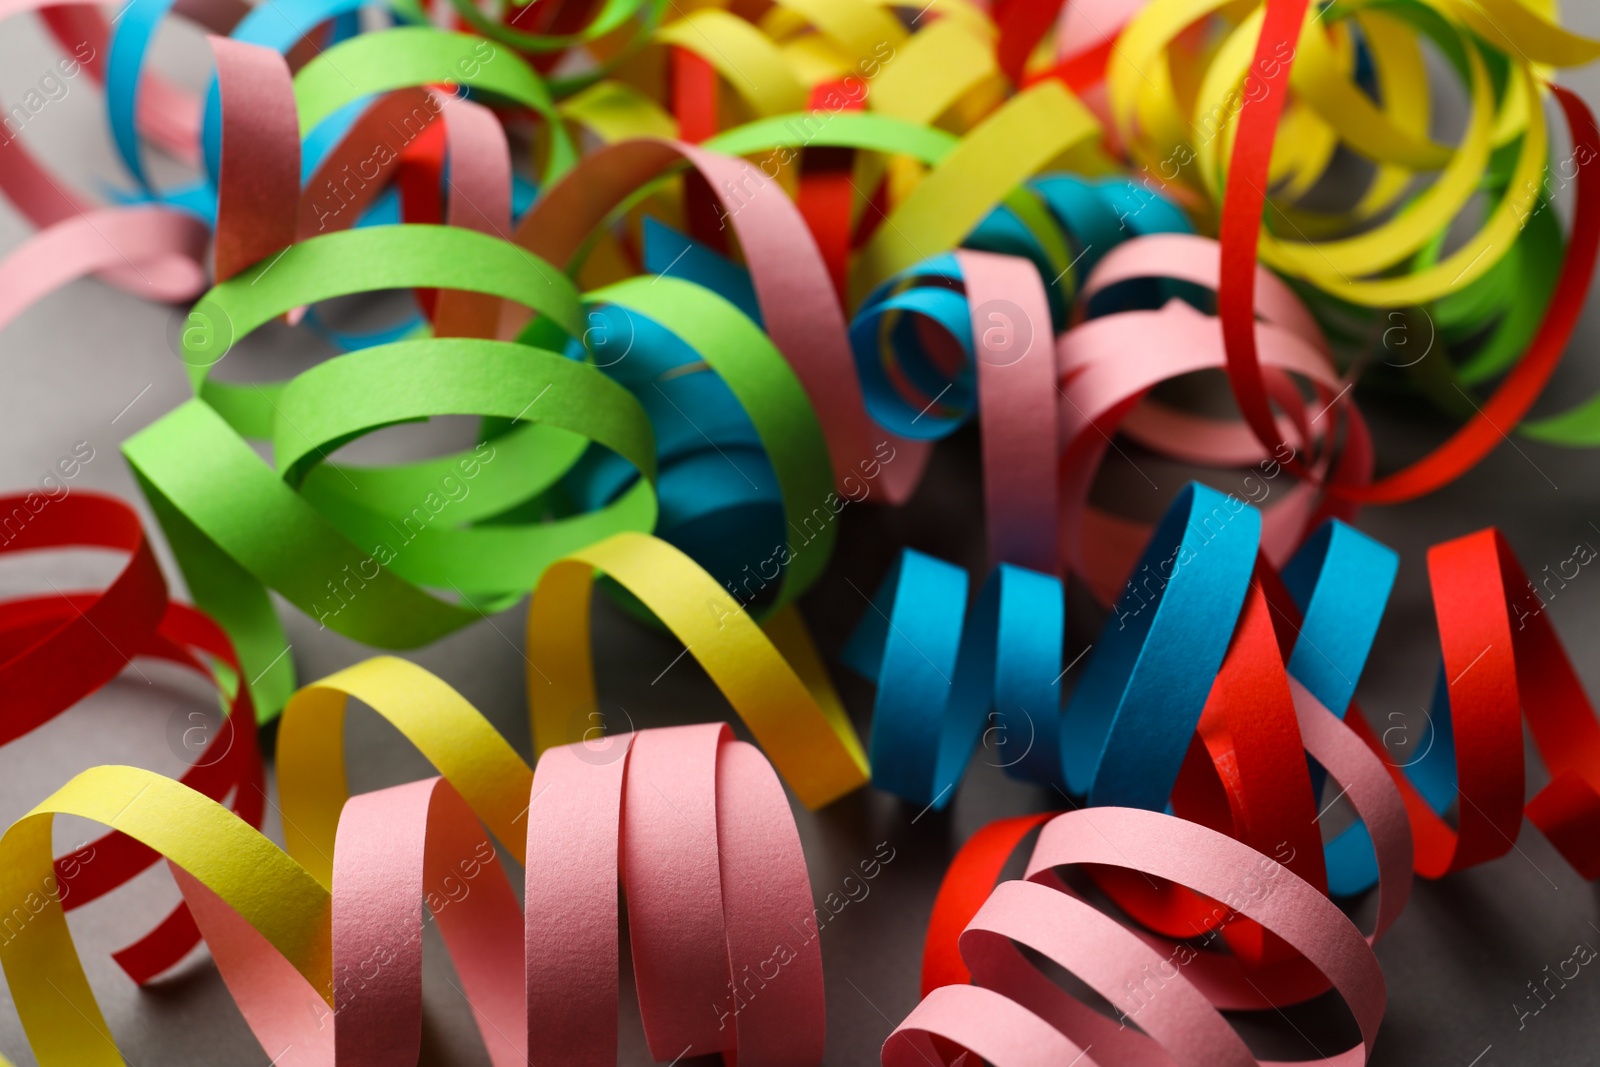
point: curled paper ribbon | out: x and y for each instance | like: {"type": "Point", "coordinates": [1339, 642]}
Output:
{"type": "Point", "coordinates": [1103, 393]}
{"type": "Point", "coordinates": [1014, 1015]}
{"type": "Point", "coordinates": [718, 907]}
{"type": "Point", "coordinates": [1480, 594]}
{"type": "Point", "coordinates": [938, 681]}
{"type": "Point", "coordinates": [167, 261]}
{"type": "Point", "coordinates": [1243, 777]}
{"type": "Point", "coordinates": [1148, 682]}
{"type": "Point", "coordinates": [792, 294]}
{"type": "Point", "coordinates": [1486, 610]}
{"type": "Point", "coordinates": [975, 329]}
{"type": "Point", "coordinates": [1283, 27]}
{"type": "Point", "coordinates": [914, 385]}
{"type": "Point", "coordinates": [57, 649]}
{"type": "Point", "coordinates": [708, 902]}
{"type": "Point", "coordinates": [255, 195]}
{"type": "Point", "coordinates": [305, 542]}
{"type": "Point", "coordinates": [369, 542]}
{"type": "Point", "coordinates": [148, 250]}
{"type": "Point", "coordinates": [153, 253]}
{"type": "Point", "coordinates": [927, 345]}
{"type": "Point", "coordinates": [1289, 943]}
{"type": "Point", "coordinates": [771, 674]}
{"type": "Point", "coordinates": [945, 676]}
{"type": "Point", "coordinates": [1187, 697]}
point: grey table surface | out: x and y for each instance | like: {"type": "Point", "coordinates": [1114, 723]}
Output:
{"type": "Point", "coordinates": [89, 365]}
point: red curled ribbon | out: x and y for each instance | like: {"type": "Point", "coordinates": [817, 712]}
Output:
{"type": "Point", "coordinates": [1243, 203]}
{"type": "Point", "coordinates": [1502, 660]}
{"type": "Point", "coordinates": [57, 649]}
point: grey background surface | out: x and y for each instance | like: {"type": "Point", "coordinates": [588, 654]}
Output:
{"type": "Point", "coordinates": [90, 364]}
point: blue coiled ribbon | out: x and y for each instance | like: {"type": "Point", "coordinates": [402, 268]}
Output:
{"type": "Point", "coordinates": [946, 674]}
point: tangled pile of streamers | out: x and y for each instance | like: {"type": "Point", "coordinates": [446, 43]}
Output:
{"type": "Point", "coordinates": [706, 277]}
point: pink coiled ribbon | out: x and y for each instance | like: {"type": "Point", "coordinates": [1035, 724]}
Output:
{"type": "Point", "coordinates": [1015, 1016]}
{"type": "Point", "coordinates": [1107, 366]}
{"type": "Point", "coordinates": [694, 826]}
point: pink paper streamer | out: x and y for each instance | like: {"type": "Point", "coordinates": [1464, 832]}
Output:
{"type": "Point", "coordinates": [1011, 336]}
{"type": "Point", "coordinates": [691, 822]}
{"type": "Point", "coordinates": [1016, 1016]}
